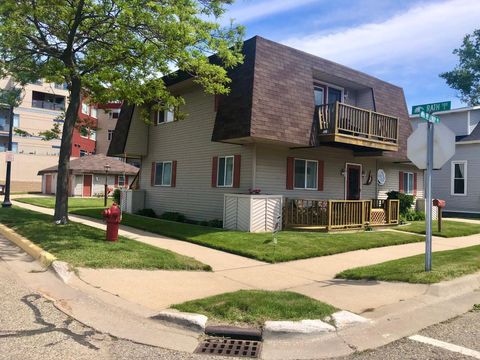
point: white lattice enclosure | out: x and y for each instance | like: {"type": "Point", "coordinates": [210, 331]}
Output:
{"type": "Point", "coordinates": [132, 200]}
{"type": "Point", "coordinates": [253, 213]}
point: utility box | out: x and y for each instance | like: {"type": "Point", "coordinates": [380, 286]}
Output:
{"type": "Point", "coordinates": [132, 201]}
{"type": "Point", "coordinates": [252, 213]}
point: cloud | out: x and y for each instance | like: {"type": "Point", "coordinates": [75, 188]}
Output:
{"type": "Point", "coordinates": [425, 33]}
{"type": "Point", "coordinates": [245, 12]}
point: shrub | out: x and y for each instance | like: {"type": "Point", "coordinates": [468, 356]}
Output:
{"type": "Point", "coordinates": [413, 215]}
{"type": "Point", "coordinates": [216, 223]}
{"type": "Point", "coordinates": [116, 196]}
{"type": "Point", "coordinates": [406, 201]}
{"type": "Point", "coordinates": [173, 216]}
{"type": "Point", "coordinates": [147, 212]}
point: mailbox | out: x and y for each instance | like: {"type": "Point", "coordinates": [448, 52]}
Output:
{"type": "Point", "coordinates": [439, 203]}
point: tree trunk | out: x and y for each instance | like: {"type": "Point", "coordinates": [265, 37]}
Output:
{"type": "Point", "coordinates": [61, 198]}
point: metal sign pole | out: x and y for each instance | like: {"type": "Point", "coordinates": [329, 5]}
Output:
{"type": "Point", "coordinates": [428, 191]}
{"type": "Point", "coordinates": [6, 201]}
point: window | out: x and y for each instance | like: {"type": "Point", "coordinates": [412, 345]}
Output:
{"type": "Point", "coordinates": [16, 120]}
{"type": "Point", "coordinates": [408, 180]}
{"type": "Point", "coordinates": [319, 93]}
{"type": "Point", "coordinates": [110, 134]}
{"type": "Point", "coordinates": [163, 173]}
{"type": "Point", "coordinates": [62, 86]}
{"type": "Point", "coordinates": [165, 116]}
{"type": "Point", "coordinates": [47, 101]}
{"type": "Point", "coordinates": [115, 114]}
{"type": "Point", "coordinates": [83, 153]}
{"type": "Point", "coordinates": [93, 135]}
{"type": "Point", "coordinates": [4, 147]}
{"type": "Point", "coordinates": [459, 177]}
{"type": "Point", "coordinates": [305, 176]}
{"type": "Point", "coordinates": [38, 82]}
{"type": "Point", "coordinates": [225, 171]}
{"type": "Point", "coordinates": [93, 112]}
{"type": "Point", "coordinates": [121, 180]}
{"type": "Point", "coordinates": [84, 108]}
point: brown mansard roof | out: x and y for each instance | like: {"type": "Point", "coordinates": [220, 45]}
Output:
{"type": "Point", "coordinates": [271, 98]}
{"type": "Point", "coordinates": [95, 164]}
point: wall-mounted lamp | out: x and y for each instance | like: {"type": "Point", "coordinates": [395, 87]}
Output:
{"type": "Point", "coordinates": [342, 172]}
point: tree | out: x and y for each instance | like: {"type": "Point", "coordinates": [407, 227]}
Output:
{"type": "Point", "coordinates": [114, 49]}
{"type": "Point", "coordinates": [465, 77]}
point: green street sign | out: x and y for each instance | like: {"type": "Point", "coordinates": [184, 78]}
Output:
{"type": "Point", "coordinates": [429, 117]}
{"type": "Point", "coordinates": [433, 107]}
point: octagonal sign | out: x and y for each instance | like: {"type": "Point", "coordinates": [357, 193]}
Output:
{"type": "Point", "coordinates": [443, 146]}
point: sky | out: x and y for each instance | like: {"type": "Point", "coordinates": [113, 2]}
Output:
{"type": "Point", "coordinates": [405, 42]}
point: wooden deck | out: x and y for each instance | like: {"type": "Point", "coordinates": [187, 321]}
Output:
{"type": "Point", "coordinates": [339, 122]}
{"type": "Point", "coordinates": [339, 214]}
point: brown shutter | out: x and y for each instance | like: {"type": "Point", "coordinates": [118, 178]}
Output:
{"type": "Point", "coordinates": [400, 181]}
{"type": "Point", "coordinates": [320, 175]}
{"type": "Point", "coordinates": [174, 173]}
{"type": "Point", "coordinates": [237, 159]}
{"type": "Point", "coordinates": [155, 117]}
{"type": "Point", "coordinates": [126, 181]}
{"type": "Point", "coordinates": [214, 171]}
{"type": "Point", "coordinates": [116, 180]}
{"type": "Point", "coordinates": [290, 163]}
{"type": "Point", "coordinates": [152, 175]}
{"type": "Point", "coordinates": [415, 184]}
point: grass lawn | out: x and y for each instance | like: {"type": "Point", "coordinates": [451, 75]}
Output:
{"type": "Point", "coordinates": [254, 307]}
{"type": "Point", "coordinates": [292, 245]}
{"type": "Point", "coordinates": [449, 228]}
{"type": "Point", "coordinates": [85, 246]}
{"type": "Point", "coordinates": [73, 202]}
{"type": "Point", "coordinates": [446, 265]}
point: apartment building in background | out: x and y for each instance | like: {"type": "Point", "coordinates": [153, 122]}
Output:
{"type": "Point", "coordinates": [107, 120]}
{"type": "Point", "coordinates": [85, 133]}
{"type": "Point", "coordinates": [41, 107]}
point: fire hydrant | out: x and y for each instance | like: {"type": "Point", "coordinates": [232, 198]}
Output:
{"type": "Point", "coordinates": [112, 217]}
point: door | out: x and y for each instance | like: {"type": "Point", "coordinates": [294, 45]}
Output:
{"type": "Point", "coordinates": [334, 95]}
{"type": "Point", "coordinates": [87, 185]}
{"type": "Point", "coordinates": [48, 184]}
{"type": "Point", "coordinates": [353, 181]}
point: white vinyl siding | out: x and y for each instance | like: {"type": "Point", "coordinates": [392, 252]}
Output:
{"type": "Point", "coordinates": [163, 173]}
{"type": "Point", "coordinates": [459, 178]}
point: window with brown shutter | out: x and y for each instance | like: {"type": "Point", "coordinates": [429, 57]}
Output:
{"type": "Point", "coordinates": [400, 181]}
{"type": "Point", "coordinates": [289, 182]}
{"type": "Point", "coordinates": [321, 170]}
{"type": "Point", "coordinates": [214, 171]}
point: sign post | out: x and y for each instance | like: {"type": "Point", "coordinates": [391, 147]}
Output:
{"type": "Point", "coordinates": [440, 147]}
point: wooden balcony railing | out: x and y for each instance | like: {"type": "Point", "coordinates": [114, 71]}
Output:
{"type": "Point", "coordinates": [367, 127]}
{"type": "Point", "coordinates": [339, 214]}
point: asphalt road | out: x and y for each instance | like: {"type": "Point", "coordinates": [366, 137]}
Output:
{"type": "Point", "coordinates": [31, 327]}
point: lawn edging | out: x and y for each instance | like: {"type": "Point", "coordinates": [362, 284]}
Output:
{"type": "Point", "coordinates": [47, 260]}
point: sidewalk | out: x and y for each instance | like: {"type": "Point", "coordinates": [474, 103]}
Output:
{"type": "Point", "coordinates": [314, 277]}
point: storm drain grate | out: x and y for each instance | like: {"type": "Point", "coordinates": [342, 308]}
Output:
{"type": "Point", "coordinates": [229, 347]}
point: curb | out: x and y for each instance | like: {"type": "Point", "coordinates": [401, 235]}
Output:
{"type": "Point", "coordinates": [35, 251]}
{"type": "Point", "coordinates": [455, 287]}
{"type": "Point", "coordinates": [190, 321]}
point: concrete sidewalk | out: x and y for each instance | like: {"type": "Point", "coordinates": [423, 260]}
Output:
{"type": "Point", "coordinates": [314, 277]}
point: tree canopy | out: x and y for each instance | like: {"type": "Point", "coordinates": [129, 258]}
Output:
{"type": "Point", "coordinates": [114, 49]}
{"type": "Point", "coordinates": [465, 77]}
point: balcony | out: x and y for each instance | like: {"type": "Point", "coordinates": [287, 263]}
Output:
{"type": "Point", "coordinates": [342, 123]}
{"type": "Point", "coordinates": [47, 105]}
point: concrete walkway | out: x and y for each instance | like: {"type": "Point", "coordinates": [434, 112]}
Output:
{"type": "Point", "coordinates": [314, 277]}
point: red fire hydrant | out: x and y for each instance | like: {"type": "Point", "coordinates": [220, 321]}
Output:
{"type": "Point", "coordinates": [112, 217]}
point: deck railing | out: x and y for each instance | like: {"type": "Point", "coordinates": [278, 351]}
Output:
{"type": "Point", "coordinates": [339, 214]}
{"type": "Point", "coordinates": [340, 118]}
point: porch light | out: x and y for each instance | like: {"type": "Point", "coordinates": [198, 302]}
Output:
{"type": "Point", "coordinates": [342, 171]}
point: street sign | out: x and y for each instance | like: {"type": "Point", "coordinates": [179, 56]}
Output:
{"type": "Point", "coordinates": [432, 107]}
{"type": "Point", "coordinates": [429, 117]}
{"type": "Point", "coordinates": [9, 156]}
{"type": "Point", "coordinates": [443, 145]}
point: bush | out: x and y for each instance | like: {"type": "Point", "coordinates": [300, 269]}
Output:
{"type": "Point", "coordinates": [406, 201]}
{"type": "Point", "coordinates": [116, 196]}
{"type": "Point", "coordinates": [216, 223]}
{"type": "Point", "coordinates": [173, 216]}
{"type": "Point", "coordinates": [147, 212]}
{"type": "Point", "coordinates": [413, 215]}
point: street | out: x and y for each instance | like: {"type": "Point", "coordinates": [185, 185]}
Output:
{"type": "Point", "coordinates": [32, 328]}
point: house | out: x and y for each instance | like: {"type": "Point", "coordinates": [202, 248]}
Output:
{"type": "Point", "coordinates": [293, 124]}
{"type": "Point", "coordinates": [41, 106]}
{"type": "Point", "coordinates": [458, 181]}
{"type": "Point", "coordinates": [87, 175]}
